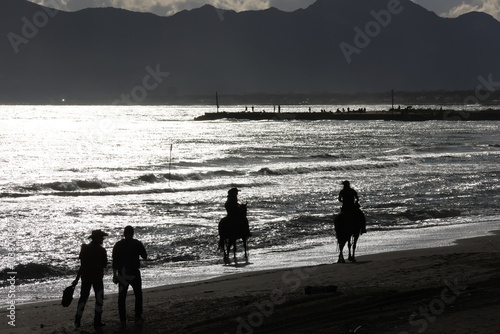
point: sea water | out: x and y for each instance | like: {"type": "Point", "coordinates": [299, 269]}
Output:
{"type": "Point", "coordinates": [67, 170]}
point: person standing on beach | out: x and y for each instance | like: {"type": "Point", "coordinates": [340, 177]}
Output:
{"type": "Point", "coordinates": [350, 202]}
{"type": "Point", "coordinates": [126, 264]}
{"type": "Point", "coordinates": [234, 212]}
{"type": "Point", "coordinates": [93, 260]}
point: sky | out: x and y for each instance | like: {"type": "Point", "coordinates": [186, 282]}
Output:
{"type": "Point", "coordinates": [445, 8]}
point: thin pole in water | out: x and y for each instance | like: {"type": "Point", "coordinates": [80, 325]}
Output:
{"type": "Point", "coordinates": [170, 165]}
{"type": "Point", "coordinates": [217, 100]}
{"type": "Point", "coordinates": [392, 100]}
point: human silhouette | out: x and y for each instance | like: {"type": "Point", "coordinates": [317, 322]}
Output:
{"type": "Point", "coordinates": [348, 197]}
{"type": "Point", "coordinates": [126, 264]}
{"type": "Point", "coordinates": [234, 211]}
{"type": "Point", "coordinates": [93, 260]}
{"type": "Point", "coordinates": [350, 202]}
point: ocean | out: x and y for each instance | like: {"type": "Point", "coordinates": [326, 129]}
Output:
{"type": "Point", "coordinates": [67, 170]}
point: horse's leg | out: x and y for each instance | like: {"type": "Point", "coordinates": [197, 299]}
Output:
{"type": "Point", "coordinates": [349, 247]}
{"type": "Point", "coordinates": [354, 247]}
{"type": "Point", "coordinates": [234, 248]}
{"type": "Point", "coordinates": [245, 247]}
{"type": "Point", "coordinates": [222, 247]}
{"type": "Point", "coordinates": [341, 255]}
{"type": "Point", "coordinates": [227, 251]}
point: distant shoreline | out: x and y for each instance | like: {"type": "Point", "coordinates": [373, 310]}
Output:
{"type": "Point", "coordinates": [390, 115]}
{"type": "Point", "coordinates": [418, 99]}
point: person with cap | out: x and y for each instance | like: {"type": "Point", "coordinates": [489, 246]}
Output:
{"type": "Point", "coordinates": [93, 260]}
{"type": "Point", "coordinates": [234, 212]}
{"type": "Point", "coordinates": [126, 264]}
{"type": "Point", "coordinates": [350, 202]}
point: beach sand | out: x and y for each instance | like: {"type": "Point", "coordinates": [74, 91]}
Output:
{"type": "Point", "coordinates": [452, 289]}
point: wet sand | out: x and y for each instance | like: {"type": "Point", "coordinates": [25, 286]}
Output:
{"type": "Point", "coordinates": [452, 289]}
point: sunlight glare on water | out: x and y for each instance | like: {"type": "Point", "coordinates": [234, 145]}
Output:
{"type": "Point", "coordinates": [67, 170]}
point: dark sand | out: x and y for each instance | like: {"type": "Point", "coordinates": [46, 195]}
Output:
{"type": "Point", "coordinates": [440, 290]}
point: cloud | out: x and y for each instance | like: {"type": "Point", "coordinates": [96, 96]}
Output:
{"type": "Point", "coordinates": [440, 6]}
{"type": "Point", "coordinates": [159, 7]}
{"type": "Point", "coordinates": [290, 5]}
{"type": "Point", "coordinates": [447, 8]}
{"type": "Point", "coordinates": [491, 7]}
{"type": "Point", "coordinates": [169, 7]}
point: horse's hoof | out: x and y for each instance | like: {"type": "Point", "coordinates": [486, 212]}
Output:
{"type": "Point", "coordinates": [341, 261]}
{"type": "Point", "coordinates": [352, 260]}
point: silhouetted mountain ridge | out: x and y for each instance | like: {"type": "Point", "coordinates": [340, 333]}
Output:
{"type": "Point", "coordinates": [101, 53]}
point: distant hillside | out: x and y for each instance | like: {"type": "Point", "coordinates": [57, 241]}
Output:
{"type": "Point", "coordinates": [338, 46]}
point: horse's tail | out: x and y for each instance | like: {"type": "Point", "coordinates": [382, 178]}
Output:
{"type": "Point", "coordinates": [220, 245]}
{"type": "Point", "coordinates": [337, 225]}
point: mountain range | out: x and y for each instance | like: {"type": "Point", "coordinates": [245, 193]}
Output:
{"type": "Point", "coordinates": [108, 55]}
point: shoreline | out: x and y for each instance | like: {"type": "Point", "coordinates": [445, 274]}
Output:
{"type": "Point", "coordinates": [387, 285]}
{"type": "Point", "coordinates": [316, 251]}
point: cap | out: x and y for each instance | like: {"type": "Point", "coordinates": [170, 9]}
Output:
{"type": "Point", "coordinates": [232, 191]}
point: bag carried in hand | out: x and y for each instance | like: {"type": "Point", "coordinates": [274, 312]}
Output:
{"type": "Point", "coordinates": [67, 296]}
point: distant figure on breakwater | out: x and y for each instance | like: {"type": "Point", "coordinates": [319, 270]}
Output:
{"type": "Point", "coordinates": [350, 202]}
{"type": "Point", "coordinates": [93, 260]}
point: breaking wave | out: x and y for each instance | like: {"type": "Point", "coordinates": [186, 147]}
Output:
{"type": "Point", "coordinates": [38, 271]}
{"type": "Point", "coordinates": [74, 185]}
{"type": "Point", "coordinates": [415, 215]}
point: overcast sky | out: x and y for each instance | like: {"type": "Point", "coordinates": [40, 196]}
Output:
{"type": "Point", "coordinates": [448, 8]}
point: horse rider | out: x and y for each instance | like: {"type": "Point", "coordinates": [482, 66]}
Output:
{"type": "Point", "coordinates": [234, 212]}
{"type": "Point", "coordinates": [350, 202]}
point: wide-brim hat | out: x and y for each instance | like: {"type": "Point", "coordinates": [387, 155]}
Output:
{"type": "Point", "coordinates": [97, 234]}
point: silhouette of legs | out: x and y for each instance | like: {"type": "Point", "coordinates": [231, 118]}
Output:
{"type": "Point", "coordinates": [84, 296]}
{"type": "Point", "coordinates": [133, 279]}
{"type": "Point", "coordinates": [137, 287]}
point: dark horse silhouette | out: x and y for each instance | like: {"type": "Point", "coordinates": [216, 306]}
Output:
{"type": "Point", "coordinates": [229, 232]}
{"type": "Point", "coordinates": [348, 225]}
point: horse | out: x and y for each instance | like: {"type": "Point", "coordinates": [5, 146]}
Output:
{"type": "Point", "coordinates": [229, 232]}
{"type": "Point", "coordinates": [348, 225]}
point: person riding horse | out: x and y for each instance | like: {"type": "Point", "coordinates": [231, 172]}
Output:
{"type": "Point", "coordinates": [350, 202]}
{"type": "Point", "coordinates": [234, 211]}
